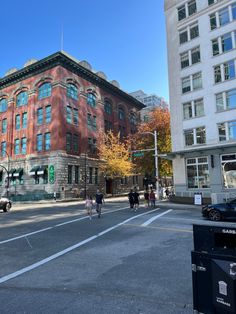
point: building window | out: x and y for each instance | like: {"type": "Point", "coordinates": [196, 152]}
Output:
{"type": "Point", "coordinates": [3, 149]}
{"type": "Point", "coordinates": [195, 136]}
{"type": "Point", "coordinates": [17, 147]}
{"type": "Point", "coordinates": [188, 33]}
{"type": "Point", "coordinates": [77, 174]}
{"type": "Point", "coordinates": [72, 91]}
{"type": "Point", "coordinates": [190, 57]}
{"type": "Point", "coordinates": [197, 80]}
{"type": "Point", "coordinates": [193, 109]}
{"type": "Point", "coordinates": [108, 107]}
{"type": "Point", "coordinates": [70, 174]}
{"type": "Point", "coordinates": [17, 122]}
{"type": "Point", "coordinates": [187, 9]}
{"type": "Point", "coordinates": [197, 173]}
{"type": "Point", "coordinates": [68, 114]}
{"type": "Point", "coordinates": [48, 111]}
{"type": "Point", "coordinates": [45, 90]}
{"type": "Point", "coordinates": [22, 99]}
{"type": "Point", "coordinates": [68, 142]}
{"type": "Point", "coordinates": [229, 70]}
{"type": "Point", "coordinates": [217, 74]}
{"type": "Point", "coordinates": [39, 142]}
{"type": "Point", "coordinates": [24, 120]}
{"type": "Point", "coordinates": [184, 60]}
{"type": "Point", "coordinates": [192, 82]}
{"type": "Point", "coordinates": [89, 121]}
{"type": "Point", "coordinates": [227, 43]}
{"type": "Point", "coordinates": [91, 100]}
{"type": "Point", "coordinates": [228, 164]}
{"type": "Point", "coordinates": [210, 2]}
{"type": "Point", "coordinates": [226, 100]}
{"type": "Point", "coordinates": [75, 143]}
{"type": "Point", "coordinates": [223, 16]}
{"type": "Point", "coordinates": [215, 47]}
{"type": "Point", "coordinates": [3, 105]}
{"type": "Point", "coordinates": [75, 116]}
{"type": "Point", "coordinates": [23, 145]}
{"type": "Point", "coordinates": [47, 141]}
{"type": "Point", "coordinates": [4, 125]}
{"type": "Point", "coordinates": [227, 131]}
{"type": "Point", "coordinates": [181, 12]}
{"type": "Point", "coordinates": [121, 114]}
{"type": "Point", "coordinates": [40, 116]}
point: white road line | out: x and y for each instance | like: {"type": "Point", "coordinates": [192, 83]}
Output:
{"type": "Point", "coordinates": [69, 249]}
{"type": "Point", "coordinates": [149, 221]}
{"type": "Point", "coordinates": [55, 226]}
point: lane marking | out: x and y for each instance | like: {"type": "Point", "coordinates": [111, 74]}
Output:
{"type": "Point", "coordinates": [56, 226]}
{"type": "Point", "coordinates": [69, 249]}
{"type": "Point", "coordinates": [149, 221]}
{"type": "Point", "coordinates": [162, 228]}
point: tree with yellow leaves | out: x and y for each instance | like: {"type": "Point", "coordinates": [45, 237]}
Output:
{"type": "Point", "coordinates": [159, 120]}
{"type": "Point", "coordinates": [115, 156]}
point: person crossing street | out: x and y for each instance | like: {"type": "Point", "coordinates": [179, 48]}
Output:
{"type": "Point", "coordinates": [99, 199]}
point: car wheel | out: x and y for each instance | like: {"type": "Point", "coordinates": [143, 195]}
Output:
{"type": "Point", "coordinates": [215, 215]}
{"type": "Point", "coordinates": [7, 207]}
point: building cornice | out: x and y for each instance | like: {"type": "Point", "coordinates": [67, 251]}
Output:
{"type": "Point", "coordinates": [62, 59]}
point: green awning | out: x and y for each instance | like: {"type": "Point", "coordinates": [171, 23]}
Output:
{"type": "Point", "coordinates": [33, 171]}
{"type": "Point", "coordinates": [18, 172]}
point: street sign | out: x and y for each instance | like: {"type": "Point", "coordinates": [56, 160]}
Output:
{"type": "Point", "coordinates": [138, 154]}
{"type": "Point", "coordinates": [51, 174]}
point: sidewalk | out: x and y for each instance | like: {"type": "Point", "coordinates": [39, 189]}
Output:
{"type": "Point", "coordinates": [75, 201]}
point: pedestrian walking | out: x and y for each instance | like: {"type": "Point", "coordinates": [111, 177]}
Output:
{"type": "Point", "coordinates": [146, 198]}
{"type": "Point", "coordinates": [152, 198]}
{"type": "Point", "coordinates": [99, 198]}
{"type": "Point", "coordinates": [167, 193]}
{"type": "Point", "coordinates": [131, 199]}
{"type": "Point", "coordinates": [54, 196]}
{"type": "Point", "coordinates": [136, 200]}
{"type": "Point", "coordinates": [89, 206]}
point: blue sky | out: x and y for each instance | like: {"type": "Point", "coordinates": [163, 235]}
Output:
{"type": "Point", "coordinates": [123, 38]}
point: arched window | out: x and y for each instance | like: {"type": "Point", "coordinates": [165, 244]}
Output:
{"type": "Point", "coordinates": [72, 91]}
{"type": "Point", "coordinates": [22, 99]}
{"type": "Point", "coordinates": [91, 100]}
{"type": "Point", "coordinates": [3, 105]}
{"type": "Point", "coordinates": [45, 90]}
{"type": "Point", "coordinates": [108, 107]}
{"type": "Point", "coordinates": [121, 114]}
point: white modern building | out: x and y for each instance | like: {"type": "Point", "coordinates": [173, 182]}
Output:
{"type": "Point", "coordinates": [201, 39]}
{"type": "Point", "coordinates": [150, 101]}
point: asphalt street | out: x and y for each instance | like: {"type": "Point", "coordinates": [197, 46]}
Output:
{"type": "Point", "coordinates": [54, 259]}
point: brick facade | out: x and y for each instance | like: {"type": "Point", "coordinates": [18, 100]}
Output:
{"type": "Point", "coordinates": [57, 132]}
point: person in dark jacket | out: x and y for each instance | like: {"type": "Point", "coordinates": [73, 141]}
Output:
{"type": "Point", "coordinates": [99, 199]}
{"type": "Point", "coordinates": [136, 200]}
{"type": "Point", "coordinates": [131, 199]}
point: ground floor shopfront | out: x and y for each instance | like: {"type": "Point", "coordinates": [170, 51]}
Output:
{"type": "Point", "coordinates": [210, 171]}
{"type": "Point", "coordinates": [38, 178]}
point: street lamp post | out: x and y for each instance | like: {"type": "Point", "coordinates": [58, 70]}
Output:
{"type": "Point", "coordinates": [156, 160]}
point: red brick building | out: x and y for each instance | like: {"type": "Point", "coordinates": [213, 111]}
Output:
{"type": "Point", "coordinates": [50, 114]}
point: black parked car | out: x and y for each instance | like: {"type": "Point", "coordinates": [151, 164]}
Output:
{"type": "Point", "coordinates": [220, 211]}
{"type": "Point", "coordinates": [5, 204]}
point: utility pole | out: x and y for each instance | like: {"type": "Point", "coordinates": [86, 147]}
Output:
{"type": "Point", "coordinates": [156, 165]}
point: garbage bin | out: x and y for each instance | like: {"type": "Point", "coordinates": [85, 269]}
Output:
{"type": "Point", "coordinates": [214, 269]}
